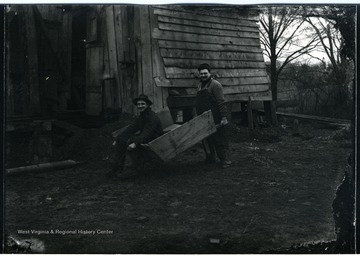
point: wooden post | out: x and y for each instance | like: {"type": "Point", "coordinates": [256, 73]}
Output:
{"type": "Point", "coordinates": [138, 50]}
{"type": "Point", "coordinates": [131, 55]}
{"type": "Point", "coordinates": [250, 115]}
{"type": "Point", "coordinates": [146, 60]}
{"type": "Point", "coordinates": [65, 90]}
{"type": "Point", "coordinates": [32, 62]}
{"type": "Point", "coordinates": [119, 44]}
{"type": "Point", "coordinates": [161, 94]}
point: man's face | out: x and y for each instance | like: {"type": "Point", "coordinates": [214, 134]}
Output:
{"type": "Point", "coordinates": [204, 74]}
{"type": "Point", "coordinates": [141, 105]}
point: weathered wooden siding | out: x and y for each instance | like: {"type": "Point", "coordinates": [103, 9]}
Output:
{"type": "Point", "coordinates": [131, 56]}
{"type": "Point", "coordinates": [149, 50]}
{"type": "Point", "coordinates": [41, 41]}
{"type": "Point", "coordinates": [156, 49]}
{"type": "Point", "coordinates": [95, 64]}
{"type": "Point", "coordinates": [229, 42]}
{"type": "Point", "coordinates": [94, 82]}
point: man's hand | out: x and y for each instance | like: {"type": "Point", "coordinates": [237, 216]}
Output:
{"type": "Point", "coordinates": [132, 146]}
{"type": "Point", "coordinates": [224, 121]}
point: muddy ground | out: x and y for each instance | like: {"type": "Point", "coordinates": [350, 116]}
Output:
{"type": "Point", "coordinates": [278, 194]}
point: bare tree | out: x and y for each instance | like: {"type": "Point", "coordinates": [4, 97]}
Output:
{"type": "Point", "coordinates": [331, 41]}
{"type": "Point", "coordinates": [335, 28]}
{"type": "Point", "coordinates": [284, 36]}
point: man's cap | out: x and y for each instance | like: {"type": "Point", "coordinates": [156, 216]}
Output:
{"type": "Point", "coordinates": [144, 98]}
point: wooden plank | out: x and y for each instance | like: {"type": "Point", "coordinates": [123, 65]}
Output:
{"type": "Point", "coordinates": [190, 100]}
{"type": "Point", "coordinates": [180, 139]}
{"type": "Point", "coordinates": [127, 64]}
{"type": "Point", "coordinates": [94, 68]}
{"type": "Point", "coordinates": [207, 46]}
{"type": "Point", "coordinates": [175, 72]}
{"type": "Point", "coordinates": [244, 81]}
{"type": "Point", "coordinates": [241, 89]}
{"type": "Point", "coordinates": [316, 118]}
{"type": "Point", "coordinates": [107, 79]}
{"type": "Point", "coordinates": [65, 90]}
{"type": "Point", "coordinates": [137, 40]}
{"type": "Point", "coordinates": [146, 60]}
{"type": "Point", "coordinates": [208, 31]}
{"type": "Point", "coordinates": [261, 96]}
{"type": "Point", "coordinates": [204, 18]}
{"type": "Point", "coordinates": [226, 82]}
{"type": "Point", "coordinates": [190, 63]}
{"type": "Point", "coordinates": [112, 52]}
{"type": "Point", "coordinates": [194, 37]}
{"type": "Point", "coordinates": [246, 89]}
{"type": "Point", "coordinates": [103, 30]}
{"type": "Point", "coordinates": [224, 11]}
{"type": "Point", "coordinates": [171, 127]}
{"type": "Point", "coordinates": [32, 62]}
{"type": "Point", "coordinates": [109, 94]}
{"type": "Point", "coordinates": [43, 167]}
{"type": "Point", "coordinates": [158, 65]}
{"type": "Point", "coordinates": [236, 89]}
{"type": "Point", "coordinates": [202, 24]}
{"type": "Point", "coordinates": [250, 115]}
{"type": "Point", "coordinates": [119, 35]}
{"type": "Point", "coordinates": [205, 55]}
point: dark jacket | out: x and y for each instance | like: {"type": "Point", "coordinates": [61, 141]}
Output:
{"type": "Point", "coordinates": [145, 128]}
{"type": "Point", "coordinates": [215, 88]}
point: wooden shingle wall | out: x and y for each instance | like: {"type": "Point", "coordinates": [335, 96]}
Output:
{"type": "Point", "coordinates": [227, 41]}
{"type": "Point", "coordinates": [156, 50]}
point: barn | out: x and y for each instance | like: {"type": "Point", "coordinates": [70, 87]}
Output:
{"type": "Point", "coordinates": [94, 59]}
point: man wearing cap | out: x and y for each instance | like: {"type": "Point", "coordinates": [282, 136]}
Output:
{"type": "Point", "coordinates": [145, 128]}
{"type": "Point", "coordinates": [210, 96]}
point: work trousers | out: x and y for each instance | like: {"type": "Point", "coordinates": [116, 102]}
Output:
{"type": "Point", "coordinates": [125, 158]}
{"type": "Point", "coordinates": [218, 143]}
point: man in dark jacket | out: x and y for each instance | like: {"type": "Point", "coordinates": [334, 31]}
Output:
{"type": "Point", "coordinates": [144, 129]}
{"type": "Point", "coordinates": [210, 96]}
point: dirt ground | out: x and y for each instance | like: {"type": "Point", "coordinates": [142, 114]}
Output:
{"type": "Point", "coordinates": [277, 194]}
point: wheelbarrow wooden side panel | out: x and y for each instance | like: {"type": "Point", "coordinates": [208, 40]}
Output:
{"type": "Point", "coordinates": [183, 137]}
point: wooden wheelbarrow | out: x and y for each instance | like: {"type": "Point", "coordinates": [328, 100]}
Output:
{"type": "Point", "coordinates": [178, 138]}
